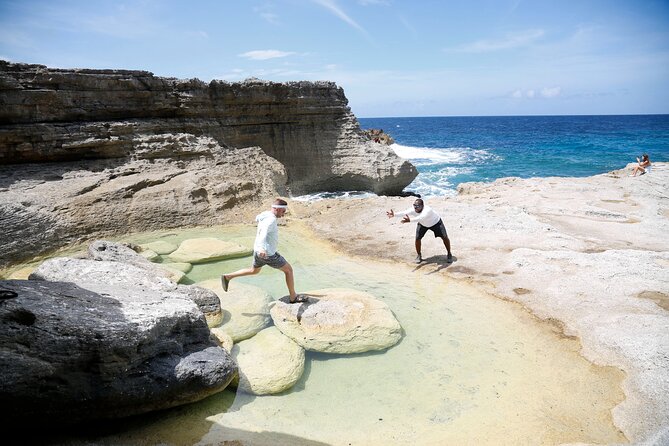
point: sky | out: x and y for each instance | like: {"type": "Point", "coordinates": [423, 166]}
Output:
{"type": "Point", "coordinates": [391, 57]}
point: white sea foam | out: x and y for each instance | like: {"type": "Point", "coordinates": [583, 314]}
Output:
{"type": "Point", "coordinates": [451, 155]}
{"type": "Point", "coordinates": [323, 195]}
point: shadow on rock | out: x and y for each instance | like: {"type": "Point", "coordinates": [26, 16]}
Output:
{"type": "Point", "coordinates": [441, 261]}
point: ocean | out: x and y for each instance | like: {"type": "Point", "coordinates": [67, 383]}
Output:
{"type": "Point", "coordinates": [448, 151]}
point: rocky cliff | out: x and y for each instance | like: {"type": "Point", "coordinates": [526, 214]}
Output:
{"type": "Point", "coordinates": [85, 153]}
{"type": "Point", "coordinates": [64, 115]}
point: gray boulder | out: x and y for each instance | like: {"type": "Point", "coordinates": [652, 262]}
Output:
{"type": "Point", "coordinates": [85, 272]}
{"type": "Point", "coordinates": [70, 354]}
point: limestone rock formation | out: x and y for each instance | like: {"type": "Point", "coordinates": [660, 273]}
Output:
{"type": "Point", "coordinates": [87, 273]}
{"type": "Point", "coordinates": [114, 151]}
{"type": "Point", "coordinates": [269, 362]}
{"type": "Point", "coordinates": [208, 249]}
{"type": "Point", "coordinates": [338, 320]}
{"type": "Point", "coordinates": [245, 308]}
{"type": "Point", "coordinates": [160, 247]}
{"type": "Point", "coordinates": [70, 354]}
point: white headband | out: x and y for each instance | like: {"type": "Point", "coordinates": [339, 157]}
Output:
{"type": "Point", "coordinates": [280, 206]}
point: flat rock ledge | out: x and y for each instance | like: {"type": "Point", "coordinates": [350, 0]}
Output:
{"type": "Point", "coordinates": [269, 362]}
{"type": "Point", "coordinates": [70, 354]}
{"type": "Point", "coordinates": [338, 320]}
{"type": "Point", "coordinates": [244, 308]}
{"type": "Point", "coordinates": [207, 249]}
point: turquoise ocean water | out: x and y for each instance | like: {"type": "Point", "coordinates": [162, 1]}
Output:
{"type": "Point", "coordinates": [451, 150]}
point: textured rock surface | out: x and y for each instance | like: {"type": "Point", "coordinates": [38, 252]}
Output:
{"type": "Point", "coordinates": [84, 272]}
{"type": "Point", "coordinates": [70, 354]}
{"type": "Point", "coordinates": [245, 308]}
{"type": "Point", "coordinates": [269, 362]}
{"type": "Point", "coordinates": [338, 321]}
{"type": "Point", "coordinates": [114, 151]}
{"type": "Point", "coordinates": [208, 249]}
{"type": "Point", "coordinates": [591, 253]}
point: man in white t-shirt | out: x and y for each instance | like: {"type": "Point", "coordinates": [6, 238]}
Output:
{"type": "Point", "coordinates": [265, 250]}
{"type": "Point", "coordinates": [427, 219]}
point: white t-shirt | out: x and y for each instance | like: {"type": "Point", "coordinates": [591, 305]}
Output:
{"type": "Point", "coordinates": [267, 234]}
{"type": "Point", "coordinates": [427, 217]}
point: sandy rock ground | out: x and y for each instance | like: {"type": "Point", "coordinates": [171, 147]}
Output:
{"type": "Point", "coordinates": [591, 254]}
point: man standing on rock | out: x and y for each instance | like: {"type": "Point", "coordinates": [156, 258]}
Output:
{"type": "Point", "coordinates": [427, 219]}
{"type": "Point", "coordinates": [265, 250]}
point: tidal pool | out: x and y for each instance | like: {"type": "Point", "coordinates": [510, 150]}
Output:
{"type": "Point", "coordinates": [471, 369]}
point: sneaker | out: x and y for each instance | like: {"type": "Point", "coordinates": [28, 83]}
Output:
{"type": "Point", "coordinates": [449, 258]}
{"type": "Point", "coordinates": [419, 258]}
{"type": "Point", "coordinates": [225, 281]}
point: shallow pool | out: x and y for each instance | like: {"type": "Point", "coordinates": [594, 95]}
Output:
{"type": "Point", "coordinates": [470, 369]}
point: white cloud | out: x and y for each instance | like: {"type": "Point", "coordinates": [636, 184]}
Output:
{"type": "Point", "coordinates": [265, 54]}
{"type": "Point", "coordinates": [517, 94]}
{"type": "Point", "coordinates": [510, 41]}
{"type": "Point", "coordinates": [267, 14]}
{"type": "Point", "coordinates": [331, 5]}
{"type": "Point", "coordinates": [530, 93]}
{"type": "Point", "coordinates": [550, 92]}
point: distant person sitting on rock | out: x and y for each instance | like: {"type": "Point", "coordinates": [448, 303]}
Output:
{"type": "Point", "coordinates": [427, 219]}
{"type": "Point", "coordinates": [643, 166]}
{"type": "Point", "coordinates": [265, 250]}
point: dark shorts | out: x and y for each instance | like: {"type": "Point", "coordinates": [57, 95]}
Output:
{"type": "Point", "coordinates": [275, 261]}
{"type": "Point", "coordinates": [439, 230]}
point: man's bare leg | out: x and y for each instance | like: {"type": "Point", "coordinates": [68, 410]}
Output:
{"type": "Point", "coordinates": [290, 281]}
{"type": "Point", "coordinates": [226, 278]}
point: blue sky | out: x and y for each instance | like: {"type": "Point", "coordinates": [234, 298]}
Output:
{"type": "Point", "coordinates": [392, 57]}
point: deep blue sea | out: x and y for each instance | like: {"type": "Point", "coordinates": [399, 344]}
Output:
{"type": "Point", "coordinates": [452, 150]}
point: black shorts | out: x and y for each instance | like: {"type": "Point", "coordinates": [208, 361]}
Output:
{"type": "Point", "coordinates": [275, 261]}
{"type": "Point", "coordinates": [439, 230]}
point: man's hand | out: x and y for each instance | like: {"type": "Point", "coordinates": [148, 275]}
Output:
{"type": "Point", "coordinates": [405, 219]}
{"type": "Point", "coordinates": [262, 254]}
{"type": "Point", "coordinates": [390, 213]}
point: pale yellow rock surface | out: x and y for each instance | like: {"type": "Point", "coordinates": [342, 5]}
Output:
{"type": "Point", "coordinates": [591, 253]}
{"type": "Point", "coordinates": [160, 247]}
{"type": "Point", "coordinates": [207, 249]}
{"type": "Point", "coordinates": [338, 320]}
{"type": "Point", "coordinates": [223, 338]}
{"type": "Point", "coordinates": [179, 266]}
{"type": "Point", "coordinates": [244, 308]}
{"type": "Point", "coordinates": [149, 255]}
{"type": "Point", "coordinates": [269, 362]}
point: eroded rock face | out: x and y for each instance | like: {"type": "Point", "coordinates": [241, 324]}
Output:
{"type": "Point", "coordinates": [115, 151]}
{"type": "Point", "coordinates": [71, 354]}
{"type": "Point", "coordinates": [57, 114]}
{"type": "Point", "coordinates": [338, 320]}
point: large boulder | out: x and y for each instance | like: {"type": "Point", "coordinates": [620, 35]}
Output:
{"type": "Point", "coordinates": [338, 320]}
{"type": "Point", "coordinates": [269, 362]}
{"type": "Point", "coordinates": [70, 354]}
{"type": "Point", "coordinates": [119, 252]}
{"type": "Point", "coordinates": [244, 308]}
{"type": "Point", "coordinates": [84, 272]}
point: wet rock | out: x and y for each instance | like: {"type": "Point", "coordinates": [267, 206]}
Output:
{"type": "Point", "coordinates": [245, 308]}
{"type": "Point", "coordinates": [269, 362]}
{"type": "Point", "coordinates": [208, 249]}
{"type": "Point", "coordinates": [338, 320]}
